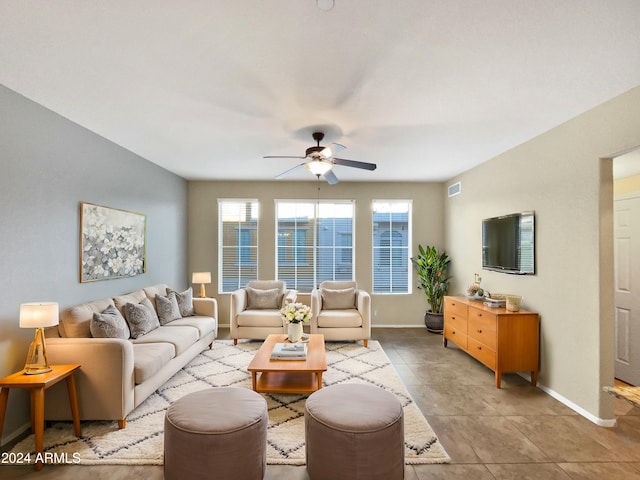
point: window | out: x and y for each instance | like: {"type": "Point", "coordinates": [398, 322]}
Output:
{"type": "Point", "coordinates": [311, 251]}
{"type": "Point", "coordinates": [237, 244]}
{"type": "Point", "coordinates": [391, 246]}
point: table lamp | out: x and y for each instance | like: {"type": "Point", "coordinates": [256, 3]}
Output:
{"type": "Point", "coordinates": [38, 316]}
{"type": "Point", "coordinates": [201, 278]}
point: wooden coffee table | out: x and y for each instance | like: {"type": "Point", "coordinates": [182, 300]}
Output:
{"type": "Point", "coordinates": [288, 376]}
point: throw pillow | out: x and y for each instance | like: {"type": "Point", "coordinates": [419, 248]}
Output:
{"type": "Point", "coordinates": [141, 318]}
{"type": "Point", "coordinates": [109, 324]}
{"type": "Point", "coordinates": [185, 302]}
{"type": "Point", "coordinates": [262, 299]}
{"type": "Point", "coordinates": [168, 308]}
{"type": "Point", "coordinates": [338, 299]}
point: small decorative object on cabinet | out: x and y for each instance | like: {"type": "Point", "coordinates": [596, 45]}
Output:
{"type": "Point", "coordinates": [431, 267]}
{"type": "Point", "coordinates": [502, 340]}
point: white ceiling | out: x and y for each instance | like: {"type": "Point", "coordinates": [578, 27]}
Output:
{"type": "Point", "coordinates": [424, 88]}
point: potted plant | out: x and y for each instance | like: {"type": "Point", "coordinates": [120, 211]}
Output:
{"type": "Point", "coordinates": [294, 314]}
{"type": "Point", "coordinates": [431, 267]}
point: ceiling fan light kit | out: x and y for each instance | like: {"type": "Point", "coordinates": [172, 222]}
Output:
{"type": "Point", "coordinates": [320, 160]}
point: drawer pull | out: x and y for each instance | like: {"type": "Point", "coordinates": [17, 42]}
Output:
{"type": "Point", "coordinates": [479, 314]}
{"type": "Point", "coordinates": [479, 331]}
{"type": "Point", "coordinates": [479, 348]}
{"type": "Point", "coordinates": [453, 332]}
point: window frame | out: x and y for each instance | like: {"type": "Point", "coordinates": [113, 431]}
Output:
{"type": "Point", "coordinates": [239, 246]}
{"type": "Point", "coordinates": [378, 249]}
{"type": "Point", "coordinates": [316, 247]}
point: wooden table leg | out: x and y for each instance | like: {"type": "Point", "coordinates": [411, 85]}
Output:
{"type": "Point", "coordinates": [253, 380]}
{"type": "Point", "coordinates": [4, 397]}
{"type": "Point", "coordinates": [534, 377]}
{"type": "Point", "coordinates": [498, 378]}
{"type": "Point", "coordinates": [37, 401]}
{"type": "Point", "coordinates": [319, 378]}
{"type": "Point", "coordinates": [73, 401]}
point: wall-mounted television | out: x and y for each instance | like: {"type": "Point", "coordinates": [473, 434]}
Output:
{"type": "Point", "coordinates": [508, 243]}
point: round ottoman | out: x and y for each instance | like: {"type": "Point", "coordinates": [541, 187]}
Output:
{"type": "Point", "coordinates": [354, 431]}
{"type": "Point", "coordinates": [217, 433]}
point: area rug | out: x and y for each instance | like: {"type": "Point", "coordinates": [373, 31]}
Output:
{"type": "Point", "coordinates": [141, 442]}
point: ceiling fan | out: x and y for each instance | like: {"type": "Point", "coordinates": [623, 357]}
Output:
{"type": "Point", "coordinates": [320, 160]}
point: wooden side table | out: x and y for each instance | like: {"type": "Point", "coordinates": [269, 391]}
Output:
{"type": "Point", "coordinates": [37, 384]}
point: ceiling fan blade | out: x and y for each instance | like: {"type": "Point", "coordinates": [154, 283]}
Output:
{"type": "Point", "coordinates": [281, 156]}
{"type": "Point", "coordinates": [353, 163]}
{"type": "Point", "coordinates": [332, 149]}
{"type": "Point", "coordinates": [284, 174]}
{"type": "Point", "coordinates": [330, 177]}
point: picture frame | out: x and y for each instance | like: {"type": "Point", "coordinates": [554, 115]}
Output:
{"type": "Point", "coordinates": [112, 243]}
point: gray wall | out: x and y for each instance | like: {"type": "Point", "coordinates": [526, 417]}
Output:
{"type": "Point", "coordinates": [48, 165]}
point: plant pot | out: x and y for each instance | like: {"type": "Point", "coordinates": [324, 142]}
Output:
{"type": "Point", "coordinates": [434, 322]}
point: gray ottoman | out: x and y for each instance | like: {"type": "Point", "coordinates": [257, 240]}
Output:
{"type": "Point", "coordinates": [218, 433]}
{"type": "Point", "coordinates": [354, 431]}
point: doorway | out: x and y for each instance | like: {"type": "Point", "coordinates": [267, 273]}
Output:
{"type": "Point", "coordinates": [626, 219]}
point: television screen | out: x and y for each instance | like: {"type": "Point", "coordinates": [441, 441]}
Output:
{"type": "Point", "coordinates": [508, 243]}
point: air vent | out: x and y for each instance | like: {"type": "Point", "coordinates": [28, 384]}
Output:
{"type": "Point", "coordinates": [454, 189]}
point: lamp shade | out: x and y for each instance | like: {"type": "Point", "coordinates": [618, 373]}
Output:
{"type": "Point", "coordinates": [38, 315]}
{"type": "Point", "coordinates": [201, 277]}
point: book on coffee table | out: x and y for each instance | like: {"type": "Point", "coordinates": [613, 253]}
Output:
{"type": "Point", "coordinates": [289, 351]}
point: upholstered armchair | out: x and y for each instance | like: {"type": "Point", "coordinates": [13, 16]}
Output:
{"type": "Point", "coordinates": [255, 310]}
{"type": "Point", "coordinates": [341, 311]}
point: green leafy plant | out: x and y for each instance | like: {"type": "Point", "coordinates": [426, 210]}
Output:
{"type": "Point", "coordinates": [431, 267]}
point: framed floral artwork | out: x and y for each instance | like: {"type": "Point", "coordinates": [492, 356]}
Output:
{"type": "Point", "coordinates": [112, 243]}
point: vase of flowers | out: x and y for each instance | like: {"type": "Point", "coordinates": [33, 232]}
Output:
{"type": "Point", "coordinates": [294, 314]}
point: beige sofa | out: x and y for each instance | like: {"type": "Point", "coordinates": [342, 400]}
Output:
{"type": "Point", "coordinates": [118, 374]}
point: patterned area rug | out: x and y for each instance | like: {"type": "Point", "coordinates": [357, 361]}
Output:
{"type": "Point", "coordinates": [141, 442]}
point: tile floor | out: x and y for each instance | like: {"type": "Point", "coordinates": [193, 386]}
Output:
{"type": "Point", "coordinates": [516, 432]}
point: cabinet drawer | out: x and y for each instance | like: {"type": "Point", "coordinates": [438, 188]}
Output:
{"type": "Point", "coordinates": [459, 323]}
{"type": "Point", "coordinates": [455, 307]}
{"type": "Point", "coordinates": [482, 326]}
{"type": "Point", "coordinates": [455, 335]}
{"type": "Point", "coordinates": [482, 353]}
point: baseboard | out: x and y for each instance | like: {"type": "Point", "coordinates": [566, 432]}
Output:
{"type": "Point", "coordinates": [601, 422]}
{"type": "Point", "coordinates": [397, 326]}
{"type": "Point", "coordinates": [15, 436]}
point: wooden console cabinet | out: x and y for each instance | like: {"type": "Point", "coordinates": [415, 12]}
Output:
{"type": "Point", "coordinates": [503, 341]}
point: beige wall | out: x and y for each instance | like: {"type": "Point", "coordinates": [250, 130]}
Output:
{"type": "Point", "coordinates": [627, 185]}
{"type": "Point", "coordinates": [560, 175]}
{"type": "Point", "coordinates": [396, 310]}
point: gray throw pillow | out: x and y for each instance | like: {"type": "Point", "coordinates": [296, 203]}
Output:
{"type": "Point", "coordinates": [109, 324]}
{"type": "Point", "coordinates": [168, 308]}
{"type": "Point", "coordinates": [338, 299]}
{"type": "Point", "coordinates": [185, 302]}
{"type": "Point", "coordinates": [262, 299]}
{"type": "Point", "coordinates": [141, 318]}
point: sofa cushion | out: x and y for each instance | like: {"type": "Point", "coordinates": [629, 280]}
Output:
{"type": "Point", "coordinates": [259, 318]}
{"type": "Point", "coordinates": [149, 358]}
{"type": "Point", "coordinates": [75, 322]}
{"type": "Point", "coordinates": [151, 293]}
{"type": "Point", "coordinates": [203, 324]}
{"type": "Point", "coordinates": [141, 318]}
{"type": "Point", "coordinates": [258, 299]}
{"type": "Point", "coordinates": [133, 297]}
{"type": "Point", "coordinates": [109, 324]}
{"type": "Point", "coordinates": [181, 337]}
{"type": "Point", "coordinates": [168, 308]}
{"type": "Point", "coordinates": [269, 285]}
{"type": "Point", "coordinates": [339, 319]}
{"type": "Point", "coordinates": [185, 302]}
{"type": "Point", "coordinates": [338, 299]}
